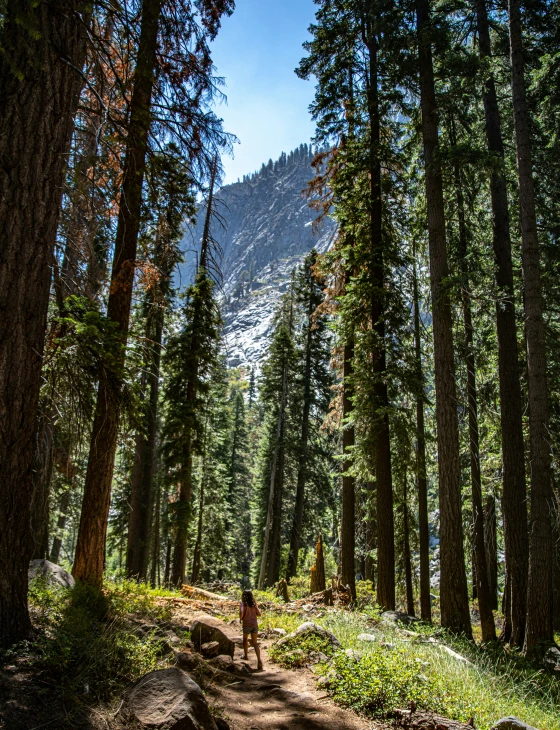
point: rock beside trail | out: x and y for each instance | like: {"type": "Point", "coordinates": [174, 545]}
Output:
{"type": "Point", "coordinates": [396, 617]}
{"type": "Point", "coordinates": [310, 629]}
{"type": "Point", "coordinates": [168, 699]}
{"type": "Point", "coordinates": [223, 662]}
{"type": "Point", "coordinates": [511, 723]}
{"type": "Point", "coordinates": [211, 649]}
{"type": "Point", "coordinates": [551, 659]}
{"type": "Point", "coordinates": [205, 629]}
{"type": "Point", "coordinates": [367, 637]}
{"type": "Point", "coordinates": [53, 573]}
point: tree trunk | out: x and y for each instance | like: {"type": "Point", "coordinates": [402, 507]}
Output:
{"type": "Point", "coordinates": [195, 573]}
{"type": "Point", "coordinates": [455, 614]}
{"type": "Point", "coordinates": [381, 435]}
{"type": "Point", "coordinates": [490, 540]}
{"type": "Point", "coordinates": [297, 521]}
{"type": "Point", "coordinates": [407, 553]}
{"type": "Point", "coordinates": [514, 507]}
{"type": "Point", "coordinates": [421, 480]}
{"type": "Point", "coordinates": [154, 572]}
{"type": "Point", "coordinates": [371, 531]}
{"type": "Point", "coordinates": [539, 585]}
{"type": "Point", "coordinates": [141, 498]}
{"type": "Point", "coordinates": [90, 547]}
{"type": "Point", "coordinates": [273, 570]}
{"type": "Point", "coordinates": [480, 568]}
{"type": "Point", "coordinates": [43, 52]}
{"type": "Point", "coordinates": [347, 522]}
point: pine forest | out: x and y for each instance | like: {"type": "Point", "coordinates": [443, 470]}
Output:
{"type": "Point", "coordinates": [379, 466]}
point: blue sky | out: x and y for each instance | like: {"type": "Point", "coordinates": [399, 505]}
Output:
{"type": "Point", "coordinates": [256, 51]}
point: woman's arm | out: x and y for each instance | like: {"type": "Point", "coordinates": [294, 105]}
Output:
{"type": "Point", "coordinates": [258, 610]}
{"type": "Point", "coordinates": [241, 611]}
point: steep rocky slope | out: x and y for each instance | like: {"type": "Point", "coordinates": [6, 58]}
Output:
{"type": "Point", "coordinates": [267, 230]}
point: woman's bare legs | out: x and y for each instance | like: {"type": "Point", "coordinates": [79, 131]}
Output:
{"type": "Point", "coordinates": [245, 646]}
{"type": "Point", "coordinates": [255, 644]}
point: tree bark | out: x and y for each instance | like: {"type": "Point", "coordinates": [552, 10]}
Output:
{"type": "Point", "coordinates": [381, 434]}
{"type": "Point", "coordinates": [371, 531]}
{"type": "Point", "coordinates": [490, 540]}
{"type": "Point", "coordinates": [347, 522]}
{"type": "Point", "coordinates": [141, 498]}
{"type": "Point", "coordinates": [514, 507]}
{"type": "Point", "coordinates": [539, 585]}
{"type": "Point", "coordinates": [455, 614]}
{"type": "Point", "coordinates": [90, 547]}
{"type": "Point", "coordinates": [421, 480]}
{"type": "Point", "coordinates": [481, 588]}
{"type": "Point", "coordinates": [297, 522]}
{"type": "Point", "coordinates": [407, 552]}
{"type": "Point", "coordinates": [195, 573]}
{"type": "Point", "coordinates": [40, 83]}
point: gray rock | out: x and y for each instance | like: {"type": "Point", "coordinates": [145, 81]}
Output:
{"type": "Point", "coordinates": [387, 645]}
{"type": "Point", "coordinates": [551, 659]}
{"type": "Point", "coordinates": [205, 629]}
{"type": "Point", "coordinates": [511, 723]}
{"type": "Point", "coordinates": [279, 632]}
{"type": "Point", "coordinates": [223, 662]}
{"type": "Point", "coordinates": [210, 649]}
{"type": "Point", "coordinates": [307, 629]}
{"type": "Point", "coordinates": [53, 573]}
{"type": "Point", "coordinates": [353, 654]}
{"type": "Point", "coordinates": [316, 657]}
{"type": "Point", "coordinates": [241, 668]}
{"type": "Point", "coordinates": [396, 617]}
{"type": "Point", "coordinates": [168, 699]}
{"type": "Point", "coordinates": [187, 661]}
{"type": "Point", "coordinates": [367, 637]}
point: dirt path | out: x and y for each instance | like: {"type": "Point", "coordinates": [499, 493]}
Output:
{"type": "Point", "coordinates": [281, 699]}
{"type": "Point", "coordinates": [275, 698]}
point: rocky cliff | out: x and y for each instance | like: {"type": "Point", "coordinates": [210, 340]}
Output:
{"type": "Point", "coordinates": [266, 231]}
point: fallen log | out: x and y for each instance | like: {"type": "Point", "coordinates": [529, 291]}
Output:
{"type": "Point", "coordinates": [192, 592]}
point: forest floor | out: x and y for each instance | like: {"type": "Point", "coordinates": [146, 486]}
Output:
{"type": "Point", "coordinates": [85, 654]}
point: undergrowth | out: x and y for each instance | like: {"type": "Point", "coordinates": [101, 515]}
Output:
{"type": "Point", "coordinates": [88, 642]}
{"type": "Point", "coordinates": [295, 651]}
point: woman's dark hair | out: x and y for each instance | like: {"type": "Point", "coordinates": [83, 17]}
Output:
{"type": "Point", "coordinates": [247, 599]}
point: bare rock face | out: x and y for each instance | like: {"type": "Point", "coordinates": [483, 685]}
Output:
{"type": "Point", "coordinates": [511, 723]}
{"type": "Point", "coordinates": [168, 699]}
{"type": "Point", "coordinates": [53, 573]}
{"type": "Point", "coordinates": [205, 629]}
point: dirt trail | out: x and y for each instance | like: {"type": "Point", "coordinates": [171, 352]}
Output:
{"type": "Point", "coordinates": [281, 699]}
{"type": "Point", "coordinates": [274, 698]}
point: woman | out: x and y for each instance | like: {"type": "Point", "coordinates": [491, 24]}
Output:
{"type": "Point", "coordinates": [248, 613]}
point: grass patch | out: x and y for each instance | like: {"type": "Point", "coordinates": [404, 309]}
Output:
{"type": "Point", "coordinates": [498, 682]}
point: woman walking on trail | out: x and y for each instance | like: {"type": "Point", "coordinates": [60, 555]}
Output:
{"type": "Point", "coordinates": [248, 613]}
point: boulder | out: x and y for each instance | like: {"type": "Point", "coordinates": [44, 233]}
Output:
{"type": "Point", "coordinates": [279, 632]}
{"type": "Point", "coordinates": [53, 573]}
{"type": "Point", "coordinates": [551, 659]}
{"type": "Point", "coordinates": [242, 668]}
{"type": "Point", "coordinates": [223, 662]}
{"type": "Point", "coordinates": [210, 649]}
{"type": "Point", "coordinates": [367, 637]}
{"type": "Point", "coordinates": [205, 629]}
{"type": "Point", "coordinates": [188, 661]}
{"type": "Point", "coordinates": [396, 617]}
{"type": "Point", "coordinates": [221, 724]}
{"type": "Point", "coordinates": [307, 629]}
{"type": "Point", "coordinates": [168, 699]}
{"type": "Point", "coordinates": [511, 723]}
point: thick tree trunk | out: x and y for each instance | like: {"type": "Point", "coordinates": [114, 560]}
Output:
{"type": "Point", "coordinates": [347, 522]}
{"type": "Point", "coordinates": [490, 541]}
{"type": "Point", "coordinates": [141, 498]}
{"type": "Point", "coordinates": [481, 589]}
{"type": "Point", "coordinates": [421, 480]}
{"type": "Point", "coordinates": [371, 532]}
{"type": "Point", "coordinates": [454, 598]}
{"type": "Point", "coordinates": [195, 572]}
{"type": "Point", "coordinates": [514, 507]}
{"type": "Point", "coordinates": [90, 547]}
{"type": "Point", "coordinates": [43, 52]}
{"type": "Point", "coordinates": [539, 585]}
{"type": "Point", "coordinates": [273, 570]}
{"type": "Point", "coordinates": [182, 516]}
{"type": "Point", "coordinates": [297, 522]}
{"type": "Point", "coordinates": [381, 435]}
{"type": "Point", "coordinates": [407, 552]}
{"type": "Point", "coordinates": [155, 571]}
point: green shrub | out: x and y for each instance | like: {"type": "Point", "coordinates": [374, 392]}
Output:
{"type": "Point", "coordinates": [380, 681]}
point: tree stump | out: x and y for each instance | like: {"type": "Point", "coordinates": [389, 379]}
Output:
{"type": "Point", "coordinates": [328, 597]}
{"type": "Point", "coordinates": [282, 591]}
